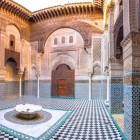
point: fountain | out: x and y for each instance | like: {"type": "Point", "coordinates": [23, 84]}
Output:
{"type": "Point", "coordinates": [28, 111]}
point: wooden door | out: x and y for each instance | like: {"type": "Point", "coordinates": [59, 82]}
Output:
{"type": "Point", "coordinates": [63, 81]}
{"type": "Point", "coordinates": [62, 87]}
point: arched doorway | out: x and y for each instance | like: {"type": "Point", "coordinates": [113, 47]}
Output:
{"type": "Point", "coordinates": [63, 81]}
{"type": "Point", "coordinates": [12, 79]}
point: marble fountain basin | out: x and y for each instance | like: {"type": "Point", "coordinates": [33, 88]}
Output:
{"type": "Point", "coordinates": [28, 111]}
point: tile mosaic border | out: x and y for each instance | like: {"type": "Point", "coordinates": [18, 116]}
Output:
{"type": "Point", "coordinates": [46, 136]}
{"type": "Point", "coordinates": [110, 114]}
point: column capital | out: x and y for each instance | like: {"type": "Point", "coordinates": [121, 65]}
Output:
{"type": "Point", "coordinates": [90, 74]}
{"type": "Point", "coordinates": [37, 75]}
{"type": "Point", "coordinates": [20, 72]}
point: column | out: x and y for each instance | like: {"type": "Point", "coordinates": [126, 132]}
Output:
{"type": "Point", "coordinates": [90, 87]}
{"type": "Point", "coordinates": [39, 56]}
{"type": "Point", "coordinates": [108, 89]}
{"type": "Point", "coordinates": [20, 83]}
{"type": "Point", "coordinates": [102, 89]}
{"type": "Point", "coordinates": [38, 81]}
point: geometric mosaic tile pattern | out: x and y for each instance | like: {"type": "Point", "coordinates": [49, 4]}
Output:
{"type": "Point", "coordinates": [4, 136]}
{"type": "Point", "coordinates": [132, 111]}
{"type": "Point", "coordinates": [89, 120]}
{"type": "Point", "coordinates": [116, 95]}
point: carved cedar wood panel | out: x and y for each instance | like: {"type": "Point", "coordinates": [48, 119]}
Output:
{"type": "Point", "coordinates": [63, 81]}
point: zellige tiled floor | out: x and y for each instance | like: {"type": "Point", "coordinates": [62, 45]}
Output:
{"type": "Point", "coordinates": [89, 120]}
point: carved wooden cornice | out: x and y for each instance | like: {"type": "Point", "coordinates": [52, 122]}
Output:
{"type": "Point", "coordinates": [12, 7]}
{"type": "Point", "coordinates": [86, 8]}
{"type": "Point", "coordinates": [70, 9]}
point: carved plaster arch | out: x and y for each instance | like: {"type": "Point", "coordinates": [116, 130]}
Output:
{"type": "Point", "coordinates": [33, 72]}
{"type": "Point", "coordinates": [62, 27]}
{"type": "Point", "coordinates": [67, 32]}
{"type": "Point", "coordinates": [97, 68]}
{"type": "Point", "coordinates": [13, 26]}
{"type": "Point", "coordinates": [97, 63]}
{"type": "Point", "coordinates": [16, 26]}
{"type": "Point", "coordinates": [63, 59]}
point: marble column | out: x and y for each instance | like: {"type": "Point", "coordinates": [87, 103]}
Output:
{"type": "Point", "coordinates": [20, 83]}
{"type": "Point", "coordinates": [90, 82]}
{"type": "Point", "coordinates": [38, 82]}
{"type": "Point", "coordinates": [108, 88]}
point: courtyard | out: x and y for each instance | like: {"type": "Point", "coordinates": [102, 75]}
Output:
{"type": "Point", "coordinates": [76, 64]}
{"type": "Point", "coordinates": [84, 120]}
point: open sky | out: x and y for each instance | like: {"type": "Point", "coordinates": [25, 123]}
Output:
{"type": "Point", "coordinates": [34, 5]}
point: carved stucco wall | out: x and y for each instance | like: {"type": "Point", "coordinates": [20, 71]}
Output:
{"type": "Point", "coordinates": [97, 51]}
{"type": "Point", "coordinates": [11, 29]}
{"type": "Point", "coordinates": [131, 10]}
{"type": "Point", "coordinates": [11, 24]}
{"type": "Point", "coordinates": [105, 51]}
{"type": "Point", "coordinates": [26, 51]}
{"type": "Point", "coordinates": [84, 25]}
{"type": "Point", "coordinates": [72, 54]}
{"type": "Point", "coordinates": [76, 55]}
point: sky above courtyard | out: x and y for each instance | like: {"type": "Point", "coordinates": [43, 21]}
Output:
{"type": "Point", "coordinates": [34, 5]}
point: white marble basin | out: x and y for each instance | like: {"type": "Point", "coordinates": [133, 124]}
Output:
{"type": "Point", "coordinates": [28, 108]}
